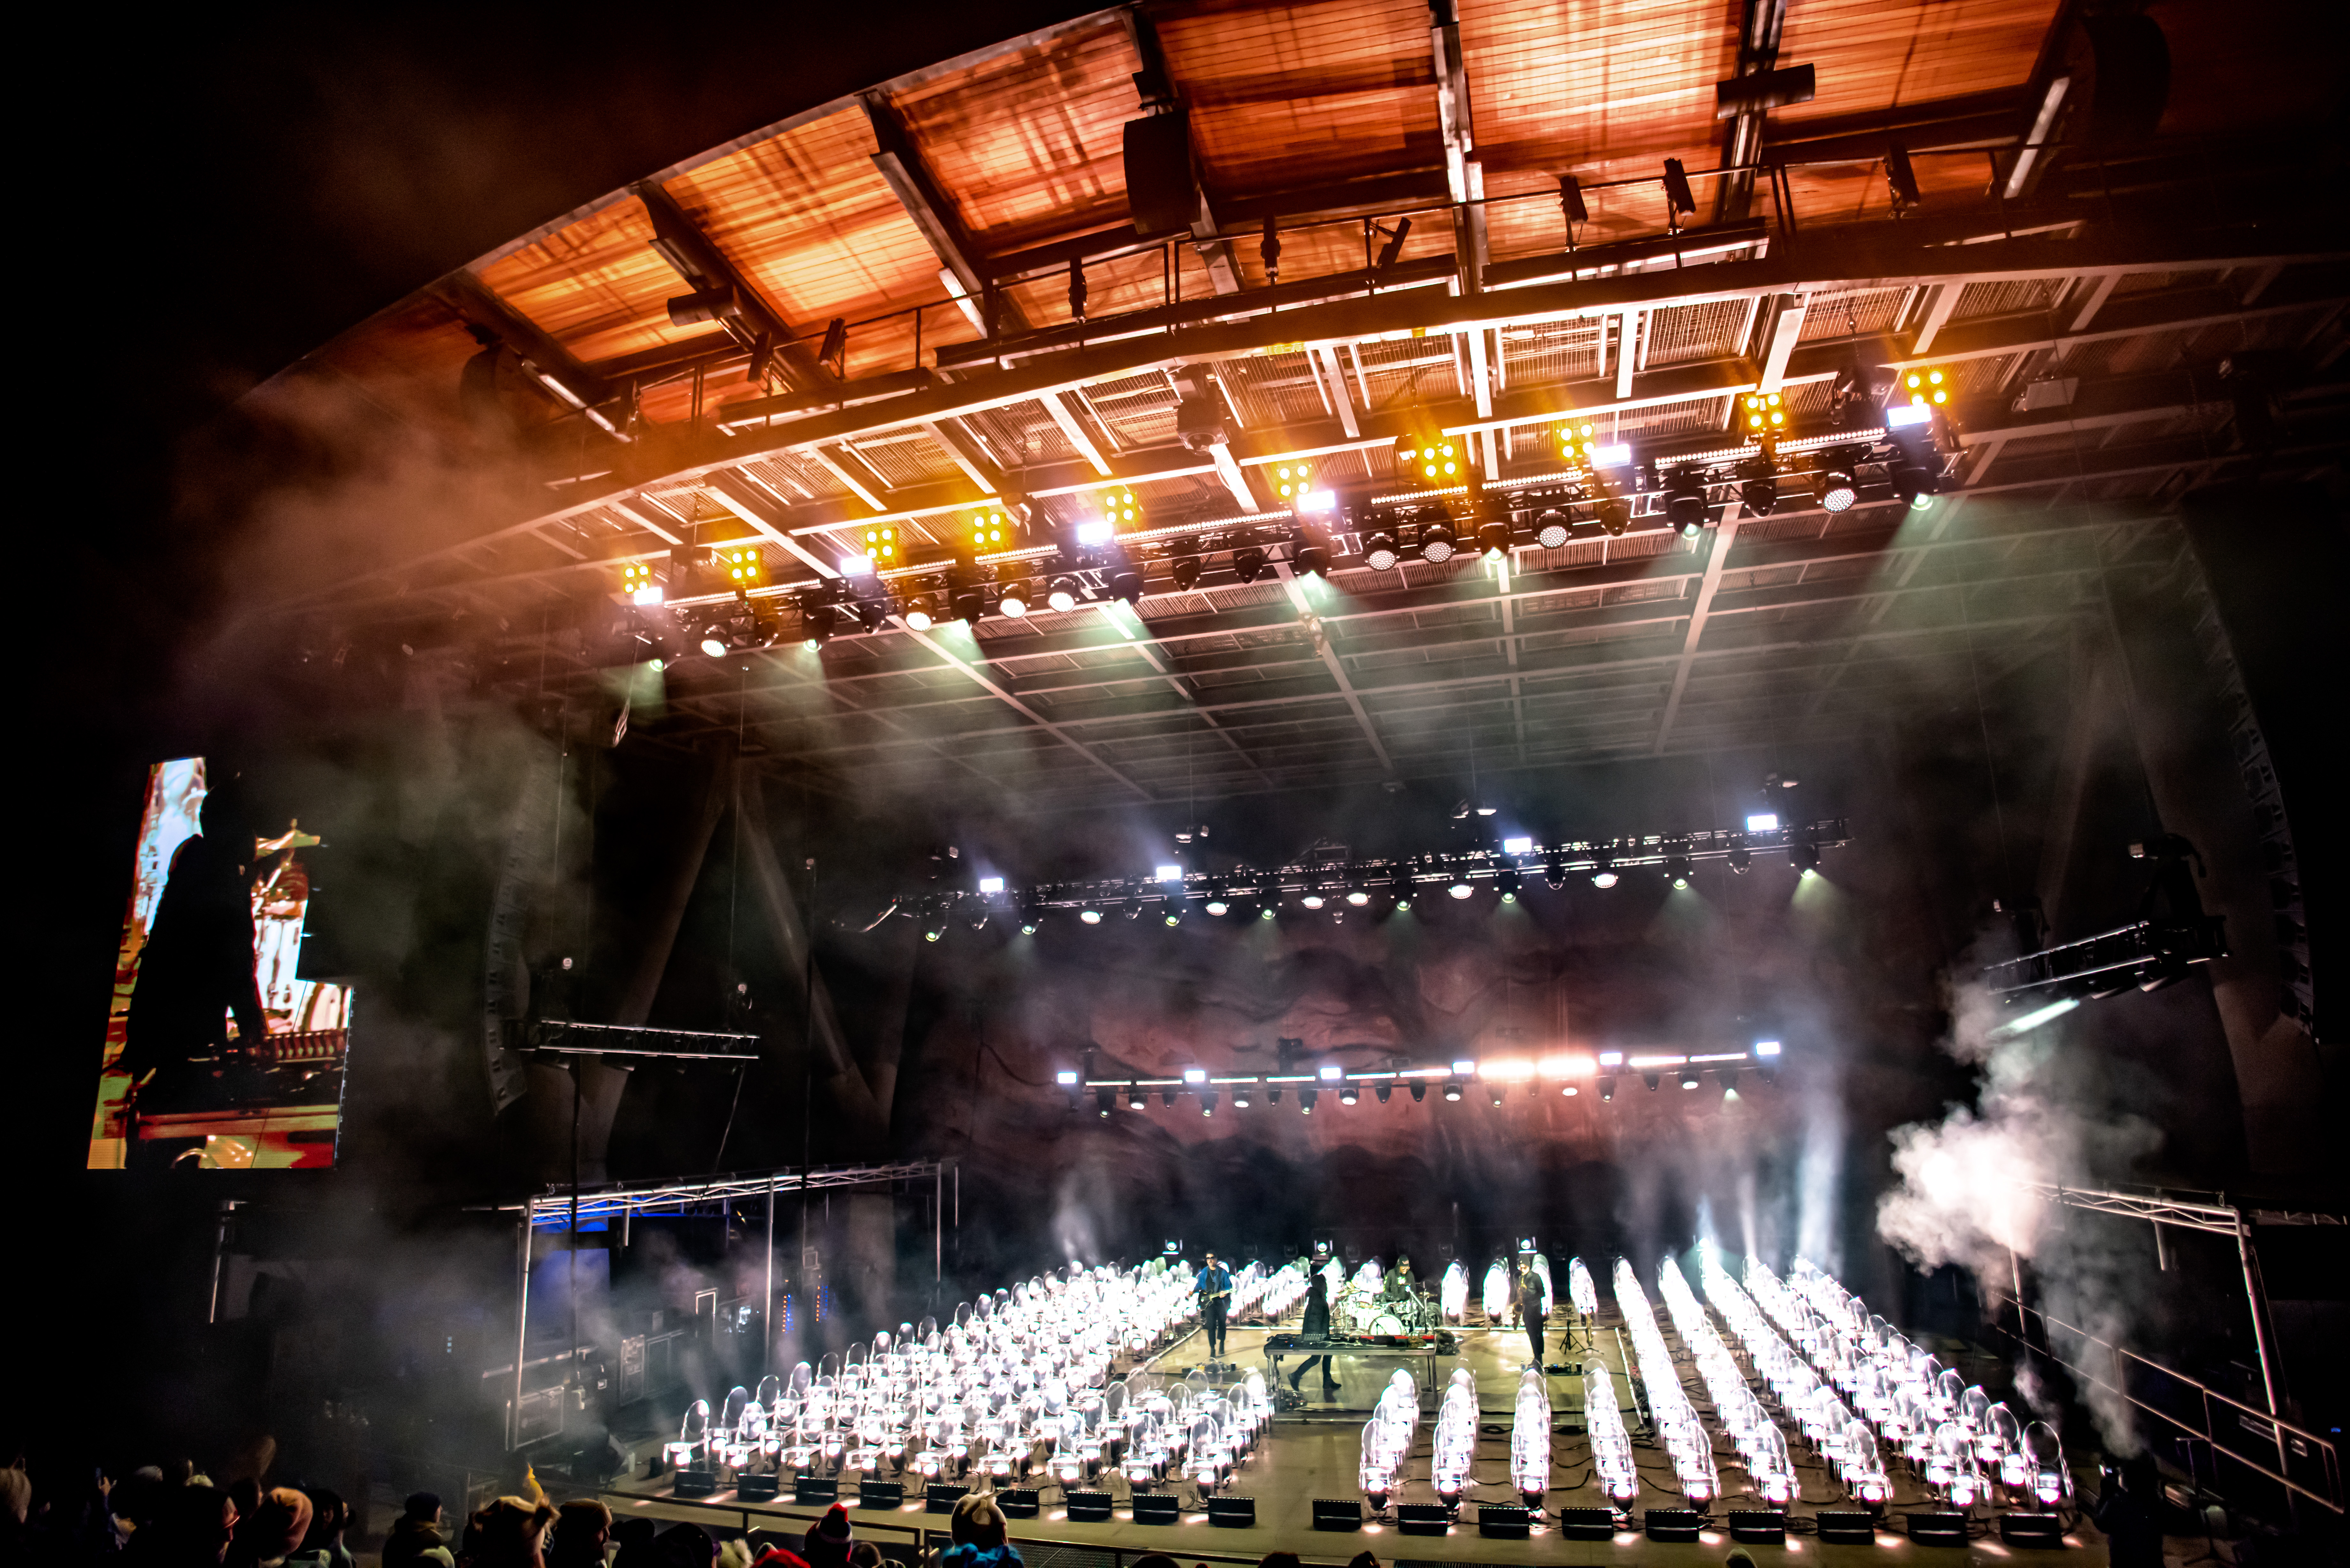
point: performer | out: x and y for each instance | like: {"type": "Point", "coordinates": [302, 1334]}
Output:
{"type": "Point", "coordinates": [1316, 1329]}
{"type": "Point", "coordinates": [1399, 1285]}
{"type": "Point", "coordinates": [1531, 1306]}
{"type": "Point", "coordinates": [1215, 1288]}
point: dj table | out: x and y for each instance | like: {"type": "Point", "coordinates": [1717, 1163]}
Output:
{"type": "Point", "coordinates": [1421, 1353]}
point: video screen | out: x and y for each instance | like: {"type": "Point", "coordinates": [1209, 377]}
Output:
{"type": "Point", "coordinates": [219, 1054]}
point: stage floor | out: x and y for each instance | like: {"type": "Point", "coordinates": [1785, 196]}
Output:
{"type": "Point", "coordinates": [1312, 1453]}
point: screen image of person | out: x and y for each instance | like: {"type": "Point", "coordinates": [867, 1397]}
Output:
{"type": "Point", "coordinates": [218, 1053]}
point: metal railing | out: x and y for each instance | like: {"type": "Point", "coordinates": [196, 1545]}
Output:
{"type": "Point", "coordinates": [2196, 1409]}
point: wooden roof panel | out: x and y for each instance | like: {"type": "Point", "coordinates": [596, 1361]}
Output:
{"type": "Point", "coordinates": [1029, 144]}
{"type": "Point", "coordinates": [1872, 56]}
{"type": "Point", "coordinates": [1599, 88]}
{"type": "Point", "coordinates": [595, 286]}
{"type": "Point", "coordinates": [1289, 94]}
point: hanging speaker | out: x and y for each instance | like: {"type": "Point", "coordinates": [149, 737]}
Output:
{"type": "Point", "coordinates": [1159, 196]}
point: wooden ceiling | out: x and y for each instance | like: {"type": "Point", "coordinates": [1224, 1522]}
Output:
{"type": "Point", "coordinates": [909, 213]}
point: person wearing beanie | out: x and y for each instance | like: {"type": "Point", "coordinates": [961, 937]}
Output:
{"type": "Point", "coordinates": [828, 1539]}
{"type": "Point", "coordinates": [978, 1528]}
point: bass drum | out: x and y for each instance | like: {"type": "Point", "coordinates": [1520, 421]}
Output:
{"type": "Point", "coordinates": [1386, 1323]}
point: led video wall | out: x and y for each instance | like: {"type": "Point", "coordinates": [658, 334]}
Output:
{"type": "Point", "coordinates": [219, 1054]}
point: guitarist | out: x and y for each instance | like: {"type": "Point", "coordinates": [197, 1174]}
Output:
{"type": "Point", "coordinates": [1215, 1287]}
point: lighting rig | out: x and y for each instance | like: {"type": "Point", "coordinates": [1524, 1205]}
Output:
{"type": "Point", "coordinates": [1172, 893]}
{"type": "Point", "coordinates": [1434, 504]}
{"type": "Point", "coordinates": [2158, 950]}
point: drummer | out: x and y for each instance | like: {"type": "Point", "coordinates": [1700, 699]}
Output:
{"type": "Point", "coordinates": [1399, 1285]}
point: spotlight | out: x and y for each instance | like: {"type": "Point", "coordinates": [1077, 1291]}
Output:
{"type": "Point", "coordinates": [1729, 1077]}
{"type": "Point", "coordinates": [1913, 479]}
{"type": "Point", "coordinates": [933, 927]}
{"type": "Point", "coordinates": [1311, 897]}
{"type": "Point", "coordinates": [1569, 1091]}
{"type": "Point", "coordinates": [1349, 1096]}
{"type": "Point", "coordinates": [1606, 1089]}
{"type": "Point", "coordinates": [1805, 859]}
{"type": "Point", "coordinates": [1554, 872]}
{"type": "Point", "coordinates": [1241, 1096]}
{"type": "Point", "coordinates": [1183, 564]}
{"type": "Point", "coordinates": [1452, 1089]}
{"type": "Point", "coordinates": [818, 617]}
{"type": "Point", "coordinates": [1833, 485]}
{"type": "Point", "coordinates": [1091, 915]}
{"type": "Point", "coordinates": [1383, 1091]}
{"type": "Point", "coordinates": [1104, 1102]}
{"type": "Point", "coordinates": [1379, 552]}
{"type": "Point", "coordinates": [713, 642]}
{"type": "Point", "coordinates": [1218, 904]}
{"type": "Point", "coordinates": [1061, 595]}
{"type": "Point", "coordinates": [1122, 577]}
{"type": "Point", "coordinates": [1248, 562]}
{"type": "Point", "coordinates": [1401, 883]}
{"type": "Point", "coordinates": [1650, 1079]}
{"type": "Point", "coordinates": [1677, 871]}
{"type": "Point", "coordinates": [1742, 860]}
{"type": "Point", "coordinates": [1765, 414]}
{"type": "Point", "coordinates": [1271, 1096]}
{"type": "Point", "coordinates": [1494, 539]}
{"type": "Point", "coordinates": [1265, 913]}
{"type": "Point", "coordinates": [1357, 896]}
{"type": "Point", "coordinates": [1305, 1099]}
{"type": "Point", "coordinates": [1689, 1077]}
{"type": "Point", "coordinates": [1506, 880]}
{"type": "Point", "coordinates": [920, 612]}
{"type": "Point", "coordinates": [1437, 543]}
{"type": "Point", "coordinates": [1419, 1093]}
{"type": "Point", "coordinates": [1174, 914]}
{"type": "Point", "coordinates": [1433, 459]}
{"type": "Point", "coordinates": [1685, 501]}
{"type": "Point", "coordinates": [1031, 917]}
{"type": "Point", "coordinates": [1615, 515]}
{"type": "Point", "coordinates": [639, 584]}
{"type": "Point", "coordinates": [1167, 1099]}
{"type": "Point", "coordinates": [989, 531]}
{"type": "Point", "coordinates": [1290, 481]}
{"type": "Point", "coordinates": [1497, 1092]}
{"type": "Point", "coordinates": [1604, 875]}
{"type": "Point", "coordinates": [1551, 530]}
{"type": "Point", "coordinates": [1459, 887]}
{"type": "Point", "coordinates": [1927, 387]}
{"type": "Point", "coordinates": [1308, 552]}
{"type": "Point", "coordinates": [1137, 1100]}
{"type": "Point", "coordinates": [1013, 599]}
{"type": "Point", "coordinates": [966, 598]}
{"type": "Point", "coordinates": [1134, 911]}
{"type": "Point", "coordinates": [1119, 509]}
{"type": "Point", "coordinates": [1758, 489]}
{"type": "Point", "coordinates": [1208, 1102]}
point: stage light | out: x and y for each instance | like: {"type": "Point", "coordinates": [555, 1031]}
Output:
{"type": "Point", "coordinates": [1765, 412]}
{"type": "Point", "coordinates": [1614, 514]}
{"type": "Point", "coordinates": [1183, 563]}
{"type": "Point", "coordinates": [1606, 1089]}
{"type": "Point", "coordinates": [1349, 1096]}
{"type": "Point", "coordinates": [1762, 822]}
{"type": "Point", "coordinates": [1833, 485]}
{"type": "Point", "coordinates": [1651, 1079]}
{"type": "Point", "coordinates": [1909, 416]}
{"type": "Point", "coordinates": [1729, 1077]}
{"type": "Point", "coordinates": [1437, 543]}
{"type": "Point", "coordinates": [1551, 530]}
{"type": "Point", "coordinates": [1496, 1091]}
{"type": "Point", "coordinates": [1452, 1088]}
{"type": "Point", "coordinates": [1767, 1047]}
{"type": "Point", "coordinates": [1218, 904]}
{"type": "Point", "coordinates": [1271, 1095]}
{"type": "Point", "coordinates": [1134, 911]}
{"type": "Point", "coordinates": [713, 643]}
{"type": "Point", "coordinates": [1266, 913]}
{"type": "Point", "coordinates": [1119, 509]}
{"type": "Point", "coordinates": [1521, 844]}
{"type": "Point", "coordinates": [1506, 881]}
{"type": "Point", "coordinates": [1065, 1077]}
{"type": "Point", "coordinates": [1167, 1099]}
{"type": "Point", "coordinates": [1175, 914]}
{"type": "Point", "coordinates": [1104, 1102]}
{"type": "Point", "coordinates": [1419, 1093]}
{"type": "Point", "coordinates": [1758, 489]}
{"type": "Point", "coordinates": [1061, 595]}
{"type": "Point", "coordinates": [1914, 482]}
{"type": "Point", "coordinates": [920, 612]}
{"type": "Point", "coordinates": [1166, 874]}
{"type": "Point", "coordinates": [1329, 1072]}
{"type": "Point", "coordinates": [1570, 1091]}
{"type": "Point", "coordinates": [1379, 552]}
{"type": "Point", "coordinates": [1494, 539]}
{"type": "Point", "coordinates": [1137, 1100]}
{"type": "Point", "coordinates": [1122, 577]}
{"type": "Point", "coordinates": [1308, 552]}
{"type": "Point", "coordinates": [1195, 1074]}
{"type": "Point", "coordinates": [1434, 459]}
{"type": "Point", "coordinates": [1689, 1079]}
{"type": "Point", "coordinates": [934, 928]}
{"type": "Point", "coordinates": [1554, 872]}
{"type": "Point", "coordinates": [1677, 871]}
{"type": "Point", "coordinates": [1685, 501]}
{"type": "Point", "coordinates": [1095, 531]}
{"type": "Point", "coordinates": [1927, 387]}
{"type": "Point", "coordinates": [1014, 600]}
{"type": "Point", "coordinates": [1459, 887]}
{"type": "Point", "coordinates": [1090, 914]}
{"type": "Point", "coordinates": [966, 598]}
{"type": "Point", "coordinates": [1604, 875]}
{"type": "Point", "coordinates": [989, 530]}
{"type": "Point", "coordinates": [1312, 898]}
{"type": "Point", "coordinates": [1240, 1096]}
{"type": "Point", "coordinates": [1358, 897]}
{"type": "Point", "coordinates": [1805, 859]}
{"type": "Point", "coordinates": [744, 566]}
{"type": "Point", "coordinates": [1464, 1067]}
{"type": "Point", "coordinates": [1399, 884]}
{"type": "Point", "coordinates": [1305, 1099]}
{"type": "Point", "coordinates": [1208, 1103]}
{"type": "Point", "coordinates": [1030, 920]}
{"type": "Point", "coordinates": [1290, 481]}
{"type": "Point", "coordinates": [1383, 1091]}
{"type": "Point", "coordinates": [1742, 860]}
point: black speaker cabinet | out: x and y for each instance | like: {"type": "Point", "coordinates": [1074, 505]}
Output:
{"type": "Point", "coordinates": [1504, 1521]}
{"type": "Point", "coordinates": [1089, 1507]}
{"type": "Point", "coordinates": [940, 1497]}
{"type": "Point", "coordinates": [1020, 1502]}
{"type": "Point", "coordinates": [695, 1483]}
{"type": "Point", "coordinates": [1232, 1512]}
{"type": "Point", "coordinates": [1852, 1526]}
{"type": "Point", "coordinates": [1160, 194]}
{"type": "Point", "coordinates": [880, 1494]}
{"type": "Point", "coordinates": [1587, 1524]}
{"type": "Point", "coordinates": [824, 1489]}
{"type": "Point", "coordinates": [1940, 1528]}
{"type": "Point", "coordinates": [1674, 1523]}
{"type": "Point", "coordinates": [1154, 1507]}
{"type": "Point", "coordinates": [2040, 1531]}
{"type": "Point", "coordinates": [755, 1488]}
{"type": "Point", "coordinates": [1758, 1526]}
{"type": "Point", "coordinates": [1423, 1519]}
{"type": "Point", "coordinates": [1338, 1513]}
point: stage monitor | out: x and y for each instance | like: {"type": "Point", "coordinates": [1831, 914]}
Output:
{"type": "Point", "coordinates": [223, 1050]}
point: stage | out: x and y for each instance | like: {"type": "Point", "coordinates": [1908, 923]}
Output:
{"type": "Point", "coordinates": [1311, 1452]}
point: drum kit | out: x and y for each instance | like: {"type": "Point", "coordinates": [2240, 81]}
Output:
{"type": "Point", "coordinates": [1375, 1316]}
